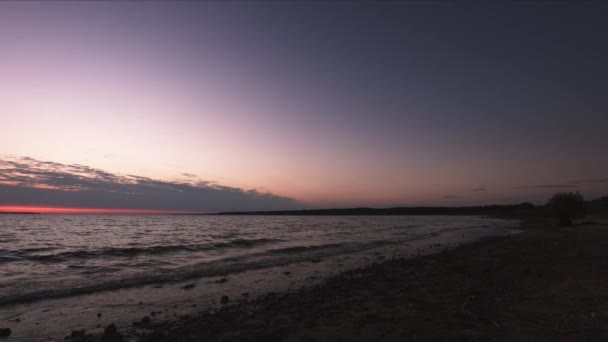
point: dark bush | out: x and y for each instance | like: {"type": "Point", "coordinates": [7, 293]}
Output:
{"type": "Point", "coordinates": [567, 206]}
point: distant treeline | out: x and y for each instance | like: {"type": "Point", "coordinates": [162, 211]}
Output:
{"type": "Point", "coordinates": [478, 210]}
{"type": "Point", "coordinates": [595, 206]}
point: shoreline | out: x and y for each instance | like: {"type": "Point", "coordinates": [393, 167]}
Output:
{"type": "Point", "coordinates": [547, 283]}
{"type": "Point", "coordinates": [55, 319]}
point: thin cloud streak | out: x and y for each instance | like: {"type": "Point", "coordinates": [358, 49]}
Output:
{"type": "Point", "coordinates": [590, 181]}
{"type": "Point", "coordinates": [27, 181]}
{"type": "Point", "coordinates": [547, 186]}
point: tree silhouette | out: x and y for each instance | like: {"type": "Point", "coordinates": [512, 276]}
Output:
{"type": "Point", "coordinates": [567, 206]}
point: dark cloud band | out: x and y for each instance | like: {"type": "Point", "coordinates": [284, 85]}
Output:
{"type": "Point", "coordinates": [27, 181]}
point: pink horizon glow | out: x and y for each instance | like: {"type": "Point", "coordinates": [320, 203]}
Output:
{"type": "Point", "coordinates": [71, 210]}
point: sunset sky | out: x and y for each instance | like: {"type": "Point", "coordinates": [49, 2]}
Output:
{"type": "Point", "coordinates": [203, 106]}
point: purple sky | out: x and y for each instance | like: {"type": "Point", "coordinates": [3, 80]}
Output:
{"type": "Point", "coordinates": [329, 104]}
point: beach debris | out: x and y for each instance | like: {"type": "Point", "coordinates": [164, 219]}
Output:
{"type": "Point", "coordinates": [188, 286]}
{"type": "Point", "coordinates": [5, 332]}
{"type": "Point", "coordinates": [224, 299]}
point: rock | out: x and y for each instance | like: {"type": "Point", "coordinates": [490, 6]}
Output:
{"type": "Point", "coordinates": [287, 273]}
{"type": "Point", "coordinates": [224, 299]}
{"type": "Point", "coordinates": [77, 334]}
{"type": "Point", "coordinates": [5, 332]}
{"type": "Point", "coordinates": [110, 330]}
{"type": "Point", "coordinates": [98, 314]}
{"type": "Point", "coordinates": [188, 286]}
{"type": "Point", "coordinates": [221, 281]}
{"type": "Point", "coordinates": [145, 320]}
{"type": "Point", "coordinates": [111, 334]}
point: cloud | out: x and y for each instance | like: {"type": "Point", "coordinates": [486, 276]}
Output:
{"type": "Point", "coordinates": [27, 181]}
{"type": "Point", "coordinates": [189, 175]}
{"type": "Point", "coordinates": [547, 186]}
{"type": "Point", "coordinates": [452, 197]}
{"type": "Point", "coordinates": [585, 181]}
{"type": "Point", "coordinates": [479, 189]}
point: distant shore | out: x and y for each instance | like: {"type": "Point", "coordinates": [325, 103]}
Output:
{"type": "Point", "coordinates": [547, 283]}
{"type": "Point", "coordinates": [493, 210]}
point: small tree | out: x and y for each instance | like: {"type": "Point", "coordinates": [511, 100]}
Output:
{"type": "Point", "coordinates": [567, 206]}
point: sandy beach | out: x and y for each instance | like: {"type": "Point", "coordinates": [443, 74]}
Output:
{"type": "Point", "coordinates": [547, 283]}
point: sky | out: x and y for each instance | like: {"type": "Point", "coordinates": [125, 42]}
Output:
{"type": "Point", "coordinates": [207, 106]}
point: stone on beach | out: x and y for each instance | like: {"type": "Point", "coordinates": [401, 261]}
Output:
{"type": "Point", "coordinates": [5, 332]}
{"type": "Point", "coordinates": [78, 335]}
{"type": "Point", "coordinates": [111, 334]}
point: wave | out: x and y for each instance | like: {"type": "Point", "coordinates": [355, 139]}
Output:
{"type": "Point", "coordinates": [220, 267]}
{"type": "Point", "coordinates": [272, 256]}
{"type": "Point", "coordinates": [300, 249]}
{"type": "Point", "coordinates": [132, 251]}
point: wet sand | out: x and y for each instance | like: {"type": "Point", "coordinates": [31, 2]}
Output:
{"type": "Point", "coordinates": [548, 283]}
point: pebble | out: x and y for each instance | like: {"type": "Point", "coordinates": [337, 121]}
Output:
{"type": "Point", "coordinates": [188, 286]}
{"type": "Point", "coordinates": [224, 299]}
